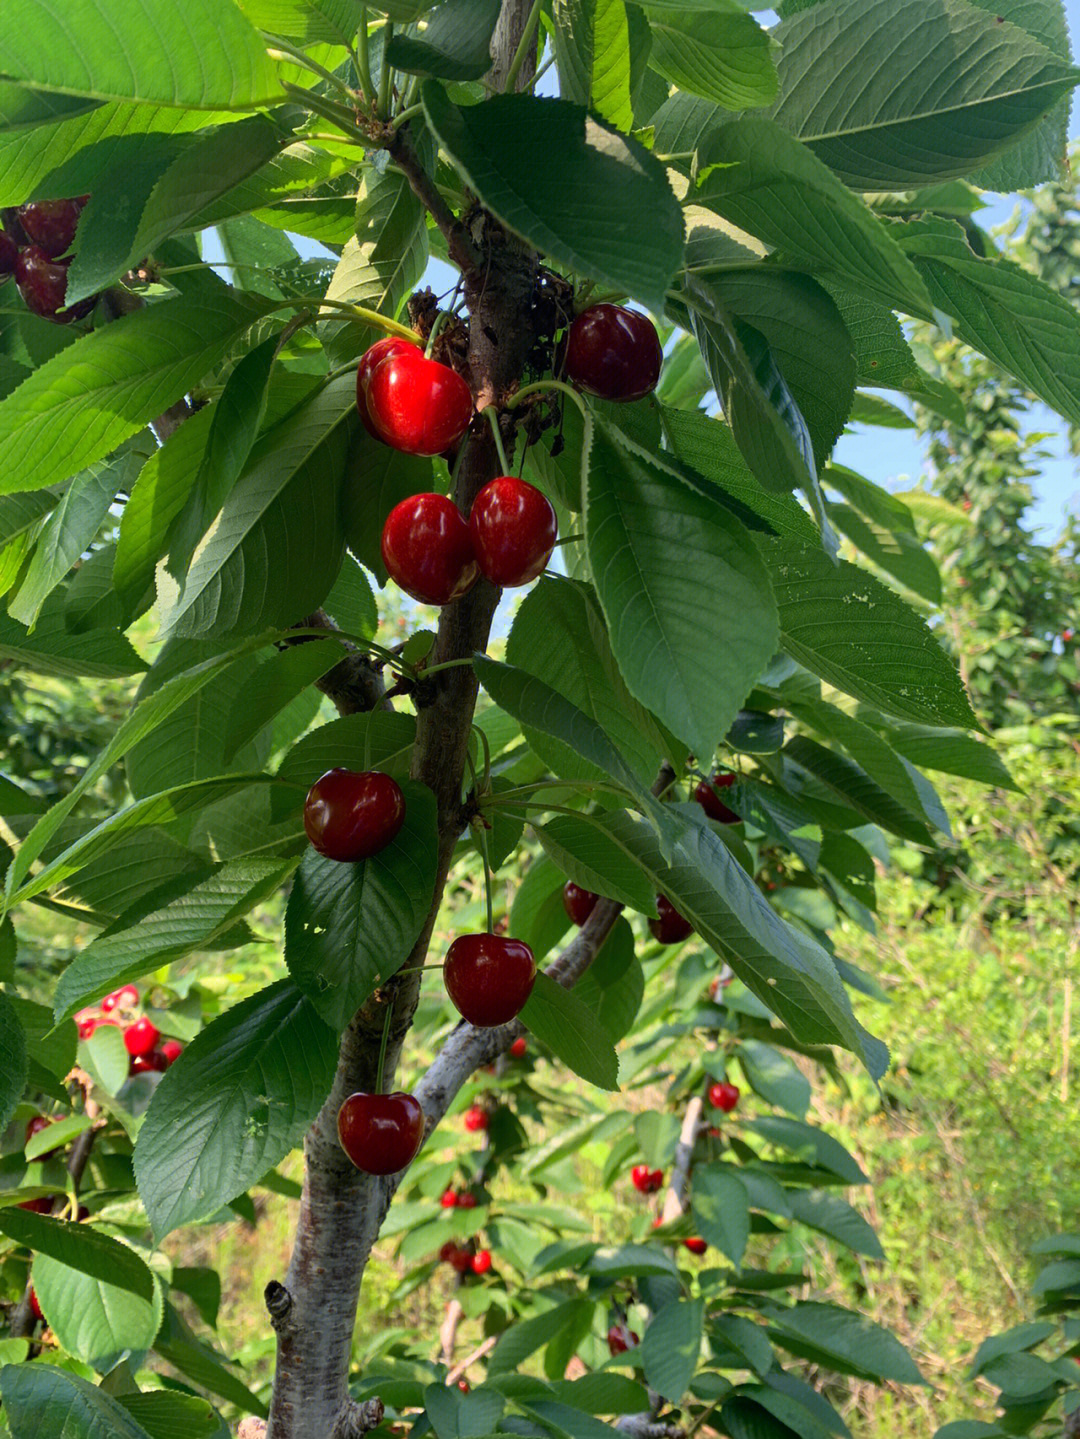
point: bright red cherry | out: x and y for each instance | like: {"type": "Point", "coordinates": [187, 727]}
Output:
{"type": "Point", "coordinates": [724, 1096]}
{"type": "Point", "coordinates": [670, 927]}
{"type": "Point", "coordinates": [707, 797]}
{"type": "Point", "coordinates": [9, 255]}
{"type": "Point", "coordinates": [350, 816]}
{"type": "Point", "coordinates": [171, 1051]}
{"type": "Point", "coordinates": [417, 405]}
{"type": "Point", "coordinates": [513, 529]}
{"type": "Point", "coordinates": [620, 1338]}
{"type": "Point", "coordinates": [639, 1178]}
{"type": "Point", "coordinates": [614, 353]}
{"type": "Point", "coordinates": [127, 997]}
{"type": "Point", "coordinates": [35, 1307]}
{"type": "Point", "coordinates": [579, 903]}
{"type": "Point", "coordinates": [476, 1119]}
{"type": "Point", "coordinates": [152, 1063]}
{"type": "Point", "coordinates": [695, 1245]}
{"type": "Point", "coordinates": [1067, 635]}
{"type": "Point", "coordinates": [141, 1037]}
{"type": "Point", "coordinates": [51, 224]}
{"type": "Point", "coordinates": [656, 1180]}
{"type": "Point", "coordinates": [379, 351]}
{"type": "Point", "coordinates": [381, 1133]}
{"type": "Point", "coordinates": [467, 1200]}
{"type": "Point", "coordinates": [43, 284]}
{"type": "Point", "coordinates": [463, 1384]}
{"type": "Point", "coordinates": [488, 977]}
{"type": "Point", "coordinates": [518, 1048]}
{"type": "Point", "coordinates": [449, 1199]}
{"type": "Point", "coordinates": [481, 1262]}
{"type": "Point", "coordinates": [427, 549]}
{"type": "Point", "coordinates": [88, 1026]}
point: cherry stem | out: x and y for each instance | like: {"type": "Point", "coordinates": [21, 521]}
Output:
{"type": "Point", "coordinates": [382, 1046]}
{"type": "Point", "coordinates": [487, 758]}
{"type": "Point", "coordinates": [360, 314]}
{"type": "Point", "coordinates": [446, 665]}
{"type": "Point", "coordinates": [482, 841]}
{"type": "Point", "coordinates": [404, 116]}
{"type": "Point", "coordinates": [440, 320]}
{"type": "Point", "coordinates": [492, 417]}
{"type": "Point", "coordinates": [539, 387]}
{"type": "Point", "coordinates": [523, 48]}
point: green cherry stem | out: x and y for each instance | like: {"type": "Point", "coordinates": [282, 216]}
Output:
{"type": "Point", "coordinates": [482, 841]}
{"type": "Point", "coordinates": [282, 51]}
{"type": "Point", "coordinates": [492, 417]}
{"type": "Point", "coordinates": [382, 1047]}
{"type": "Point", "coordinates": [487, 758]}
{"type": "Point", "coordinates": [440, 320]}
{"type": "Point", "coordinates": [363, 64]}
{"type": "Point", "coordinates": [523, 48]}
{"type": "Point", "coordinates": [539, 387]}
{"type": "Point", "coordinates": [446, 665]}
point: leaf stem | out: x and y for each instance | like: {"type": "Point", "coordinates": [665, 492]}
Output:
{"type": "Point", "coordinates": [363, 64]}
{"type": "Point", "coordinates": [491, 414]}
{"type": "Point", "coordinates": [283, 50]}
{"type": "Point", "coordinates": [539, 386]}
{"type": "Point", "coordinates": [404, 116]}
{"type": "Point", "coordinates": [527, 39]}
{"type": "Point", "coordinates": [383, 105]}
{"type": "Point", "coordinates": [446, 665]}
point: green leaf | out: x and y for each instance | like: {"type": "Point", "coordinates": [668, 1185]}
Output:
{"type": "Point", "coordinates": [857, 634]}
{"type": "Point", "coordinates": [1011, 316]}
{"type": "Point", "coordinates": [455, 45]}
{"type": "Point", "coordinates": [845, 1341]}
{"type": "Point", "coordinates": [879, 506]}
{"type": "Point", "coordinates": [746, 1338]}
{"type": "Point", "coordinates": [379, 478]}
{"type": "Point", "coordinates": [382, 740]}
{"type": "Point", "coordinates": [23, 512]}
{"type": "Point", "coordinates": [573, 1033]}
{"type": "Point", "coordinates": [22, 109]}
{"type": "Point", "coordinates": [86, 400]}
{"type": "Point", "coordinates": [233, 1105]}
{"type": "Point", "coordinates": [951, 752]}
{"type": "Point", "coordinates": [568, 184]}
{"type": "Point", "coordinates": [831, 1215]}
{"type": "Point", "coordinates": [1012, 1341]}
{"type": "Point", "coordinates": [537, 914]}
{"type": "Point", "coordinates": [773, 1076]}
{"type": "Point", "coordinates": [48, 1402]}
{"type": "Point", "coordinates": [349, 927]}
{"type": "Point", "coordinates": [178, 1347]}
{"type": "Point", "coordinates": [80, 1247]}
{"type": "Point", "coordinates": [670, 1347]}
{"type": "Point", "coordinates": [614, 984]}
{"type": "Point", "coordinates": [934, 88]}
{"type": "Point", "coordinates": [719, 53]}
{"type": "Point", "coordinates": [682, 590]}
{"type": "Point", "coordinates": [275, 546]}
{"type": "Point", "coordinates": [168, 1415]}
{"type": "Point", "coordinates": [51, 650]}
{"type": "Point", "coordinates": [206, 57]}
{"type": "Point", "coordinates": [12, 1059]}
{"type": "Point", "coordinates": [584, 851]}
{"type": "Point", "coordinates": [721, 1208]}
{"type": "Point", "coordinates": [593, 54]}
{"type": "Point", "coordinates": [809, 1145]}
{"type": "Point", "coordinates": [59, 1134]}
{"type": "Point", "coordinates": [51, 1047]}
{"type": "Point", "coordinates": [762, 179]}
{"type": "Point", "coordinates": [93, 1319]}
{"type": "Point", "coordinates": [274, 684]}
{"type": "Point", "coordinates": [152, 934]}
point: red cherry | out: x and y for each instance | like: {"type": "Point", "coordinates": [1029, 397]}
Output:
{"type": "Point", "coordinates": [51, 224]}
{"type": "Point", "coordinates": [417, 405]}
{"type": "Point", "coordinates": [38, 1206]}
{"type": "Point", "coordinates": [141, 1037]}
{"type": "Point", "coordinates": [488, 977]}
{"type": "Point", "coordinates": [670, 928]}
{"type": "Point", "coordinates": [579, 903]}
{"type": "Point", "coordinates": [614, 353]}
{"type": "Point", "coordinates": [350, 816]}
{"type": "Point", "coordinates": [461, 1261]}
{"type": "Point", "coordinates": [449, 1199]}
{"type": "Point", "coordinates": [513, 529]}
{"type": "Point", "coordinates": [463, 1384]}
{"type": "Point", "coordinates": [639, 1178]}
{"type": "Point", "coordinates": [381, 1133]}
{"type": "Point", "coordinates": [171, 1051]}
{"type": "Point", "coordinates": [379, 351]}
{"type": "Point", "coordinates": [476, 1119]}
{"type": "Point", "coordinates": [518, 1048]}
{"type": "Point", "coordinates": [468, 1200]}
{"type": "Point", "coordinates": [696, 1246]}
{"type": "Point", "coordinates": [620, 1339]}
{"type": "Point", "coordinates": [43, 284]}
{"type": "Point", "coordinates": [35, 1307]}
{"type": "Point", "coordinates": [656, 1180]}
{"type": "Point", "coordinates": [714, 1133]}
{"type": "Point", "coordinates": [1067, 635]}
{"type": "Point", "coordinates": [35, 1126]}
{"type": "Point", "coordinates": [481, 1262]}
{"type": "Point", "coordinates": [724, 1096]}
{"type": "Point", "coordinates": [427, 550]}
{"type": "Point", "coordinates": [707, 797]}
{"type": "Point", "coordinates": [447, 1252]}
{"type": "Point", "coordinates": [127, 997]}
{"type": "Point", "coordinates": [9, 255]}
{"type": "Point", "coordinates": [153, 1063]}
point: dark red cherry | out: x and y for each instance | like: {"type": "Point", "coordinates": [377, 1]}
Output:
{"type": "Point", "coordinates": [614, 353]}
{"type": "Point", "coordinates": [152, 1063]}
{"type": "Point", "coordinates": [670, 927]}
{"type": "Point", "coordinates": [350, 815]}
{"type": "Point", "coordinates": [379, 351]}
{"type": "Point", "coordinates": [381, 1133]}
{"type": "Point", "coordinates": [579, 903]}
{"type": "Point", "coordinates": [141, 1037]}
{"type": "Point", "coordinates": [710, 801]}
{"type": "Point", "coordinates": [417, 405]}
{"type": "Point", "coordinates": [427, 550]}
{"type": "Point", "coordinates": [620, 1339]}
{"type": "Point", "coordinates": [43, 283]}
{"type": "Point", "coordinates": [695, 1245]}
{"type": "Point", "coordinates": [467, 1200]}
{"type": "Point", "coordinates": [9, 255]}
{"type": "Point", "coordinates": [51, 224]}
{"type": "Point", "coordinates": [38, 1206]}
{"type": "Point", "coordinates": [513, 529]}
{"type": "Point", "coordinates": [724, 1096]}
{"type": "Point", "coordinates": [488, 977]}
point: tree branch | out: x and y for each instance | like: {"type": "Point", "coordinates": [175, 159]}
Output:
{"type": "Point", "coordinates": [464, 253]}
{"type": "Point", "coordinates": [355, 685]}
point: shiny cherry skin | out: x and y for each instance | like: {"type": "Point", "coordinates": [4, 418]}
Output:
{"type": "Point", "coordinates": [639, 1178]}
{"type": "Point", "coordinates": [127, 997]}
{"type": "Point", "coordinates": [43, 284]}
{"type": "Point", "coordinates": [51, 224]}
{"type": "Point", "coordinates": [416, 405]}
{"type": "Point", "coordinates": [670, 927]}
{"type": "Point", "coordinates": [481, 1262]}
{"type": "Point", "coordinates": [513, 530]}
{"type": "Point", "coordinates": [351, 815]}
{"type": "Point", "coordinates": [488, 977]}
{"type": "Point", "coordinates": [707, 797]}
{"type": "Point", "coordinates": [449, 1199]}
{"type": "Point", "coordinates": [724, 1096]}
{"type": "Point", "coordinates": [656, 1180]}
{"type": "Point", "coordinates": [518, 1048]}
{"type": "Point", "coordinates": [476, 1119]}
{"type": "Point", "coordinates": [614, 353]}
{"type": "Point", "coordinates": [427, 549]}
{"type": "Point", "coordinates": [171, 1051]}
{"type": "Point", "coordinates": [696, 1245]}
{"type": "Point", "coordinates": [579, 903]}
{"type": "Point", "coordinates": [379, 351]}
{"type": "Point", "coordinates": [88, 1026]}
{"type": "Point", "coordinates": [9, 255]}
{"type": "Point", "coordinates": [620, 1338]}
{"type": "Point", "coordinates": [381, 1133]}
{"type": "Point", "coordinates": [141, 1037]}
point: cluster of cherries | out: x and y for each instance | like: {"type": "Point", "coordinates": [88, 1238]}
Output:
{"type": "Point", "coordinates": [40, 267]}
{"type": "Point", "coordinates": [422, 407]}
{"type": "Point", "coordinates": [463, 1258]}
{"type": "Point", "coordinates": [142, 1038]}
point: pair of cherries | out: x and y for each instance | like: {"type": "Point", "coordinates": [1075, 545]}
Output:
{"type": "Point", "coordinates": [668, 928]}
{"type": "Point", "coordinates": [40, 268]}
{"type": "Point", "coordinates": [435, 555]}
{"type": "Point", "coordinates": [646, 1180]}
